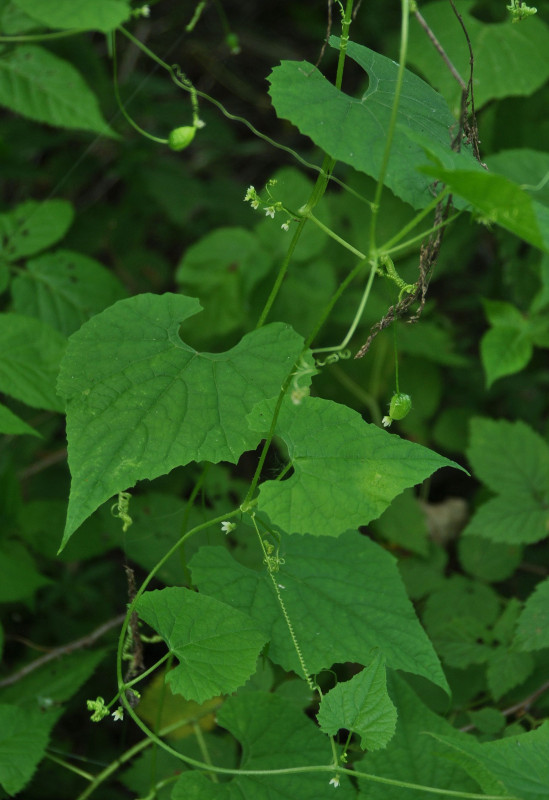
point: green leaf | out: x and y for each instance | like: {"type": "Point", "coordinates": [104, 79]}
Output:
{"type": "Point", "coordinates": [404, 523]}
{"type": "Point", "coordinates": [221, 270]}
{"type": "Point", "coordinates": [101, 15]}
{"type": "Point", "coordinates": [33, 226]}
{"type": "Point", "coordinates": [457, 617]}
{"type": "Point", "coordinates": [508, 346]}
{"type": "Point", "coordinates": [216, 645]}
{"type": "Point", "coordinates": [520, 69]}
{"type": "Point", "coordinates": [533, 624]}
{"type": "Point", "coordinates": [346, 471]}
{"type": "Point", "coordinates": [31, 353]}
{"type": "Point", "coordinates": [411, 755]}
{"type": "Point", "coordinates": [504, 351]}
{"type": "Point", "coordinates": [344, 597]}
{"type": "Point", "coordinates": [506, 669]}
{"type": "Point", "coordinates": [515, 765]}
{"type": "Point", "coordinates": [361, 705]}
{"type": "Point", "coordinates": [64, 289]}
{"type": "Point", "coordinates": [354, 130]}
{"type": "Point", "coordinates": [487, 560]}
{"type": "Point", "coordinates": [498, 201]}
{"type": "Point", "coordinates": [141, 402]}
{"type": "Point", "coordinates": [11, 424]}
{"type": "Point", "coordinates": [45, 88]}
{"type": "Point", "coordinates": [528, 168]}
{"type": "Point", "coordinates": [20, 577]}
{"type": "Point", "coordinates": [513, 461]}
{"type": "Point", "coordinates": [54, 683]}
{"type": "Point", "coordinates": [273, 734]}
{"type": "Point", "coordinates": [23, 739]}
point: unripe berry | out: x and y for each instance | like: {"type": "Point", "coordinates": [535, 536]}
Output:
{"type": "Point", "coordinates": [400, 405]}
{"type": "Point", "coordinates": [180, 138]}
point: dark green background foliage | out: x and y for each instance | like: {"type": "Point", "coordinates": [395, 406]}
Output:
{"type": "Point", "coordinates": [374, 609]}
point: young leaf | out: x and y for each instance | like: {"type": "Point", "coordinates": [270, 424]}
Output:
{"type": "Point", "coordinates": [516, 765]}
{"type": "Point", "coordinates": [23, 739]}
{"type": "Point", "coordinates": [216, 645]}
{"type": "Point", "coordinates": [362, 705]}
{"type": "Point", "coordinates": [31, 353]}
{"type": "Point", "coordinates": [141, 402]}
{"type": "Point", "coordinates": [344, 597]}
{"type": "Point", "coordinates": [354, 129]}
{"type": "Point", "coordinates": [64, 289]}
{"type": "Point", "coordinates": [101, 15]}
{"type": "Point", "coordinates": [346, 471]}
{"type": "Point", "coordinates": [273, 734]}
{"type": "Point", "coordinates": [513, 461]}
{"type": "Point", "coordinates": [43, 87]}
{"type": "Point", "coordinates": [533, 624]}
{"type": "Point", "coordinates": [33, 226]}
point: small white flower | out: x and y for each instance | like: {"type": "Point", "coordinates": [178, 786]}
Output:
{"type": "Point", "coordinates": [250, 194]}
{"type": "Point", "coordinates": [335, 781]}
{"type": "Point", "coordinates": [227, 526]}
{"type": "Point", "coordinates": [285, 226]}
{"type": "Point", "coordinates": [118, 714]}
{"type": "Point", "coordinates": [199, 123]}
{"type": "Point", "coordinates": [255, 204]}
{"type": "Point", "coordinates": [386, 421]}
{"type": "Point", "coordinates": [270, 212]}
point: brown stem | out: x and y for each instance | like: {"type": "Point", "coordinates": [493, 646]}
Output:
{"type": "Point", "coordinates": [63, 650]}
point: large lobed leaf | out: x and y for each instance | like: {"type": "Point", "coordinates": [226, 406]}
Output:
{"type": "Point", "coordinates": [140, 401]}
{"type": "Point", "coordinates": [354, 129]}
{"type": "Point", "coordinates": [216, 645]}
{"type": "Point", "coordinates": [344, 597]}
{"type": "Point", "coordinates": [346, 471]}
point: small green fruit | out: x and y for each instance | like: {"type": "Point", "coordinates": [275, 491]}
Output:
{"type": "Point", "coordinates": [180, 138]}
{"type": "Point", "coordinates": [400, 405]}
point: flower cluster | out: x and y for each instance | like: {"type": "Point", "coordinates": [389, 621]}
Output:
{"type": "Point", "coordinates": [256, 202]}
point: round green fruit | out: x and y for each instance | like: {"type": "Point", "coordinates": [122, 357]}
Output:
{"type": "Point", "coordinates": [180, 138]}
{"type": "Point", "coordinates": [400, 405]}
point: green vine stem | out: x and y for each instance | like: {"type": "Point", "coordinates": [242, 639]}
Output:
{"type": "Point", "coordinates": [405, 13]}
{"type": "Point", "coordinates": [119, 102]}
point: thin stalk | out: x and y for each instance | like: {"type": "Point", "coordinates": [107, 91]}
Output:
{"type": "Point", "coordinates": [415, 221]}
{"type": "Point", "coordinates": [68, 766]}
{"type": "Point", "coordinates": [119, 102]}
{"type": "Point", "coordinates": [405, 11]}
{"type": "Point", "coordinates": [42, 37]}
{"type": "Point", "coordinates": [421, 236]}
